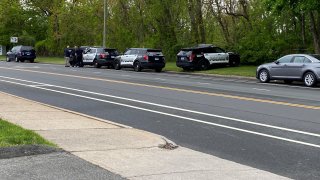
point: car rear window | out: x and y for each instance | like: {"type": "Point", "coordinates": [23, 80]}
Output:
{"type": "Point", "coordinates": [184, 52]}
{"type": "Point", "coordinates": [155, 53]}
{"type": "Point", "coordinates": [26, 48]}
{"type": "Point", "coordinates": [317, 56]}
{"type": "Point", "coordinates": [111, 51]}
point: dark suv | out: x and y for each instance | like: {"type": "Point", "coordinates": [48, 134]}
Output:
{"type": "Point", "coordinates": [141, 58]}
{"type": "Point", "coordinates": [21, 53]}
{"type": "Point", "coordinates": [98, 56]}
{"type": "Point", "coordinates": [203, 56]}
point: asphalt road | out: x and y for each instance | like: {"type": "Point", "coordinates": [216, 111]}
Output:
{"type": "Point", "coordinates": [273, 127]}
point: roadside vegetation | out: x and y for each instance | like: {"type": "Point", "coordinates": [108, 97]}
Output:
{"type": "Point", "coordinates": [13, 135]}
{"type": "Point", "coordinates": [259, 30]}
{"type": "Point", "coordinates": [245, 70]}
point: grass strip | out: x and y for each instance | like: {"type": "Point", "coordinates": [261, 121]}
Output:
{"type": "Point", "coordinates": [13, 135]}
{"type": "Point", "coordinates": [247, 71]}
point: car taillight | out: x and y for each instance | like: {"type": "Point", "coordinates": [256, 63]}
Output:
{"type": "Point", "coordinates": [192, 56]}
{"type": "Point", "coordinates": [146, 57]}
{"type": "Point", "coordinates": [102, 56]}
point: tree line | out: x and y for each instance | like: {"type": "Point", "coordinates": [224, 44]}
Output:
{"type": "Point", "coordinates": [259, 30]}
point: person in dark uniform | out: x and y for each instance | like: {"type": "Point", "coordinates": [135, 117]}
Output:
{"type": "Point", "coordinates": [79, 56]}
{"type": "Point", "coordinates": [73, 56]}
{"type": "Point", "coordinates": [67, 56]}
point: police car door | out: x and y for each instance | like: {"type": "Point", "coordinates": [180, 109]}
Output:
{"type": "Point", "coordinates": [87, 57]}
{"type": "Point", "coordinates": [220, 56]}
{"type": "Point", "coordinates": [92, 55]}
{"type": "Point", "coordinates": [125, 58]}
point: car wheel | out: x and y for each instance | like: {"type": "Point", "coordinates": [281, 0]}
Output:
{"type": "Point", "coordinates": [234, 63]}
{"type": "Point", "coordinates": [203, 65]}
{"type": "Point", "coordinates": [158, 69]}
{"type": "Point", "coordinates": [264, 76]}
{"type": "Point", "coordinates": [16, 59]}
{"type": "Point", "coordinates": [137, 66]}
{"type": "Point", "coordinates": [117, 65]}
{"type": "Point", "coordinates": [96, 64]}
{"type": "Point", "coordinates": [7, 59]}
{"type": "Point", "coordinates": [309, 79]}
{"type": "Point", "coordinates": [21, 60]}
{"type": "Point", "coordinates": [31, 60]}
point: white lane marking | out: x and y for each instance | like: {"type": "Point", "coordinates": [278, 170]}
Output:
{"type": "Point", "coordinates": [161, 79]}
{"type": "Point", "coordinates": [258, 89]}
{"type": "Point", "coordinates": [96, 72]}
{"type": "Point", "coordinates": [175, 108]}
{"type": "Point", "coordinates": [176, 116]}
{"type": "Point", "coordinates": [41, 85]}
{"type": "Point", "coordinates": [204, 83]}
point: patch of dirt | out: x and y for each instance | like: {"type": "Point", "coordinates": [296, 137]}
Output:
{"type": "Point", "coordinates": [26, 150]}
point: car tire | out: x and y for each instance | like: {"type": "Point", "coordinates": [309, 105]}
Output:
{"type": "Point", "coordinates": [158, 69]}
{"type": "Point", "coordinates": [96, 64]}
{"type": "Point", "coordinates": [264, 76]}
{"type": "Point", "coordinates": [117, 65]}
{"type": "Point", "coordinates": [137, 66]}
{"type": "Point", "coordinates": [31, 60]}
{"type": "Point", "coordinates": [309, 79]}
{"type": "Point", "coordinates": [203, 65]}
{"type": "Point", "coordinates": [16, 59]}
{"type": "Point", "coordinates": [21, 60]}
{"type": "Point", "coordinates": [7, 58]}
{"type": "Point", "coordinates": [234, 62]}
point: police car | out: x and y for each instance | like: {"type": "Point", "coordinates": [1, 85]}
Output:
{"type": "Point", "coordinates": [141, 58]}
{"type": "Point", "coordinates": [203, 56]}
{"type": "Point", "coordinates": [99, 56]}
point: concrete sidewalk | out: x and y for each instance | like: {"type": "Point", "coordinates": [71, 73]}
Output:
{"type": "Point", "coordinates": [131, 153]}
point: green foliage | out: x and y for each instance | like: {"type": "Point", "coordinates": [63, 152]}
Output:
{"type": "Point", "coordinates": [260, 31]}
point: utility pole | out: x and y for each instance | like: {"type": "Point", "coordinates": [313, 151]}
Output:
{"type": "Point", "coordinates": [104, 23]}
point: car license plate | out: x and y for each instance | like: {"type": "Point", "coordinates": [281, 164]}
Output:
{"type": "Point", "coordinates": [112, 56]}
{"type": "Point", "coordinates": [28, 54]}
{"type": "Point", "coordinates": [156, 59]}
{"type": "Point", "coordinates": [182, 58]}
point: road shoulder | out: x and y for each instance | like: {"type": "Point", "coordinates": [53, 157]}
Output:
{"type": "Point", "coordinates": [131, 153]}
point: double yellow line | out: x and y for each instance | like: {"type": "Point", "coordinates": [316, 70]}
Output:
{"type": "Point", "coordinates": [176, 89]}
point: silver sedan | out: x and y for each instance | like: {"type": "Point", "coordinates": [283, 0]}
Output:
{"type": "Point", "coordinates": [293, 67]}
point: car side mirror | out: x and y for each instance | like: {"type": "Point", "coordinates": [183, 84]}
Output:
{"type": "Point", "coordinates": [276, 62]}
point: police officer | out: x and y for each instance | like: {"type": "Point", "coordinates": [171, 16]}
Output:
{"type": "Point", "coordinates": [79, 56]}
{"type": "Point", "coordinates": [67, 56]}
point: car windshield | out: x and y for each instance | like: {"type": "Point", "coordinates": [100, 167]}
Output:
{"type": "Point", "coordinates": [26, 48]}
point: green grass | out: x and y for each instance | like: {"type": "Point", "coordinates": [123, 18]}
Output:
{"type": "Point", "coordinates": [2, 58]}
{"type": "Point", "coordinates": [13, 135]}
{"type": "Point", "coordinates": [50, 60]}
{"type": "Point", "coordinates": [248, 71]}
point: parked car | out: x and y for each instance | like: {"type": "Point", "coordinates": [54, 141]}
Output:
{"type": "Point", "coordinates": [294, 67]}
{"type": "Point", "coordinates": [204, 56]}
{"type": "Point", "coordinates": [141, 58]}
{"type": "Point", "coordinates": [99, 56]}
{"type": "Point", "coordinates": [21, 53]}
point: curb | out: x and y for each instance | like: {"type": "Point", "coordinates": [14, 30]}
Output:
{"type": "Point", "coordinates": [72, 112]}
